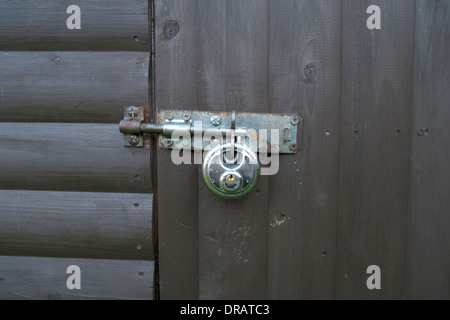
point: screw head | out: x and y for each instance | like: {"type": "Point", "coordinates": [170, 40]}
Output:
{"type": "Point", "coordinates": [133, 112]}
{"type": "Point", "coordinates": [295, 120]}
{"type": "Point", "coordinates": [293, 147]}
{"type": "Point", "coordinates": [420, 133]}
{"type": "Point", "coordinates": [168, 143]}
{"type": "Point", "coordinates": [216, 120]}
{"type": "Point", "coordinates": [133, 140]}
{"type": "Point", "coordinates": [186, 117]}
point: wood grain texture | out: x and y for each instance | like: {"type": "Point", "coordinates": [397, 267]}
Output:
{"type": "Point", "coordinates": [31, 278]}
{"type": "Point", "coordinates": [71, 157]}
{"type": "Point", "coordinates": [370, 184]}
{"type": "Point", "coordinates": [76, 224]}
{"type": "Point", "coordinates": [176, 87]}
{"type": "Point", "coordinates": [71, 86]}
{"type": "Point", "coordinates": [114, 25]}
{"type": "Point", "coordinates": [377, 84]}
{"type": "Point", "coordinates": [248, 65]}
{"type": "Point", "coordinates": [428, 256]}
{"type": "Point", "coordinates": [206, 66]}
{"type": "Point", "coordinates": [233, 74]}
{"type": "Point", "coordinates": [305, 78]}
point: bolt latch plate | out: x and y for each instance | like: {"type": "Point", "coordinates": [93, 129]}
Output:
{"type": "Point", "coordinates": [288, 126]}
{"type": "Point", "coordinates": [133, 115]}
{"type": "Point", "coordinates": [268, 132]}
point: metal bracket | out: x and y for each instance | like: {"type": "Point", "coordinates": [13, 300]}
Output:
{"type": "Point", "coordinates": [286, 129]}
{"type": "Point", "coordinates": [133, 116]}
{"type": "Point", "coordinates": [288, 126]}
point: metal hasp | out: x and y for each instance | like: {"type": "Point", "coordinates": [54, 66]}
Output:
{"type": "Point", "coordinates": [260, 126]}
{"type": "Point", "coordinates": [231, 141]}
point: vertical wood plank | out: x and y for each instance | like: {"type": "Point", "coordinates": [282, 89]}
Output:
{"type": "Point", "coordinates": [176, 88]}
{"type": "Point", "coordinates": [233, 68]}
{"type": "Point", "coordinates": [212, 94]}
{"type": "Point", "coordinates": [428, 257]}
{"type": "Point", "coordinates": [217, 61]}
{"type": "Point", "coordinates": [305, 74]}
{"type": "Point", "coordinates": [377, 87]}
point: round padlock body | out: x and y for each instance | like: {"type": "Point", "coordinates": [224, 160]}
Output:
{"type": "Point", "coordinates": [230, 174]}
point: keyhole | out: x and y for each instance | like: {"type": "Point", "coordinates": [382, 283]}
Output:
{"type": "Point", "coordinates": [230, 179]}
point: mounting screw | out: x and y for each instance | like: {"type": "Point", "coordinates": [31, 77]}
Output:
{"type": "Point", "coordinates": [216, 120]}
{"type": "Point", "coordinates": [133, 112]}
{"type": "Point", "coordinates": [420, 132]}
{"type": "Point", "coordinates": [133, 140]}
{"type": "Point", "coordinates": [168, 143]}
{"type": "Point", "coordinates": [293, 147]}
{"type": "Point", "coordinates": [186, 117]}
{"type": "Point", "coordinates": [295, 120]}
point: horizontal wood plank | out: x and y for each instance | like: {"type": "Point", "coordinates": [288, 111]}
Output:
{"type": "Point", "coordinates": [76, 224]}
{"type": "Point", "coordinates": [71, 86]}
{"type": "Point", "coordinates": [71, 157]}
{"type": "Point", "coordinates": [23, 278]}
{"type": "Point", "coordinates": [105, 25]}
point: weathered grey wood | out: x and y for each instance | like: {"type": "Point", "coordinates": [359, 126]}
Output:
{"type": "Point", "coordinates": [71, 86]}
{"type": "Point", "coordinates": [355, 195]}
{"type": "Point", "coordinates": [176, 87]}
{"type": "Point", "coordinates": [427, 275]}
{"type": "Point", "coordinates": [105, 26]}
{"type": "Point", "coordinates": [25, 278]}
{"type": "Point", "coordinates": [76, 224]}
{"type": "Point", "coordinates": [217, 61]}
{"type": "Point", "coordinates": [233, 62]}
{"type": "Point", "coordinates": [71, 157]}
{"type": "Point", "coordinates": [305, 78]}
{"type": "Point", "coordinates": [233, 72]}
{"type": "Point", "coordinates": [377, 82]}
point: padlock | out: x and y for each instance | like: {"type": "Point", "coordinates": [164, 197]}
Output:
{"type": "Point", "coordinates": [230, 170]}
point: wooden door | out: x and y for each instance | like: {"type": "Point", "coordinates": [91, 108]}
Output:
{"type": "Point", "coordinates": [369, 185]}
